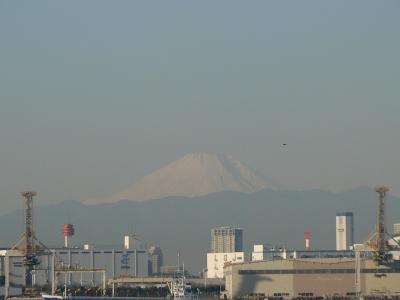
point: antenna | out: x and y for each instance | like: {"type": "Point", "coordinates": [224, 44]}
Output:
{"type": "Point", "coordinates": [178, 261]}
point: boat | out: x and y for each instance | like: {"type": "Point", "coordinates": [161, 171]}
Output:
{"type": "Point", "coordinates": [180, 289]}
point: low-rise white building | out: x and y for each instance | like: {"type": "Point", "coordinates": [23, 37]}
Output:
{"type": "Point", "coordinates": [217, 261]}
{"type": "Point", "coordinates": [258, 252]}
{"type": "Point", "coordinates": [262, 252]}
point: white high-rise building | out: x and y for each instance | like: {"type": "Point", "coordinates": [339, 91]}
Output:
{"type": "Point", "coordinates": [226, 239]}
{"type": "Point", "coordinates": [130, 242]}
{"type": "Point", "coordinates": [344, 230]}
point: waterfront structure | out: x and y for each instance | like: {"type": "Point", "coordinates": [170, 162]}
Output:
{"type": "Point", "coordinates": [226, 239]}
{"type": "Point", "coordinates": [155, 260]}
{"type": "Point", "coordinates": [344, 230]}
{"type": "Point", "coordinates": [115, 262]}
{"type": "Point", "coordinates": [217, 261]}
{"type": "Point", "coordinates": [311, 277]}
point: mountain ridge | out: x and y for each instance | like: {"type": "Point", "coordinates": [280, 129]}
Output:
{"type": "Point", "coordinates": [193, 175]}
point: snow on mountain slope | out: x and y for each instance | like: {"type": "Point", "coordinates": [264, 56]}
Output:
{"type": "Point", "coordinates": [195, 174]}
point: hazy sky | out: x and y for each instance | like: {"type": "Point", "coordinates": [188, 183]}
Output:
{"type": "Point", "coordinates": [96, 94]}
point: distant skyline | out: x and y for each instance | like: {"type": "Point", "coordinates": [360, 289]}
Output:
{"type": "Point", "coordinates": [96, 94]}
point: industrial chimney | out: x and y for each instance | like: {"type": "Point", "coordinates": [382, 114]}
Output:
{"type": "Point", "coordinates": [307, 239]}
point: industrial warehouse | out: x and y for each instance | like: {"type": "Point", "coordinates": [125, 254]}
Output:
{"type": "Point", "coordinates": [312, 277]}
{"type": "Point", "coordinates": [372, 268]}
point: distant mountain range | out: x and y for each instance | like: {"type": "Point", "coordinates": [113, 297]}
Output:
{"type": "Point", "coordinates": [195, 174]}
{"type": "Point", "coordinates": [276, 217]}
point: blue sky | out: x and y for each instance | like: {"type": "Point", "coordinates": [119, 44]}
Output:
{"type": "Point", "coordinates": [96, 94]}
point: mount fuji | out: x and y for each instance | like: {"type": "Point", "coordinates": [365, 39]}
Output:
{"type": "Point", "coordinates": [194, 175]}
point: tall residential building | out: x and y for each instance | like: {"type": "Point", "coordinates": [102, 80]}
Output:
{"type": "Point", "coordinates": [155, 260]}
{"type": "Point", "coordinates": [344, 230]}
{"type": "Point", "coordinates": [225, 239]}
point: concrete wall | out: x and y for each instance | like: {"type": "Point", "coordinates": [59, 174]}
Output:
{"type": "Point", "coordinates": [379, 283]}
{"type": "Point", "coordinates": [242, 284]}
{"type": "Point", "coordinates": [327, 283]}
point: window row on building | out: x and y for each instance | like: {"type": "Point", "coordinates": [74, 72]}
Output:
{"type": "Point", "coordinates": [316, 271]}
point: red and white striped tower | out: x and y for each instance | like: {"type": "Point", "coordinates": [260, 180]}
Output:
{"type": "Point", "coordinates": [67, 231]}
{"type": "Point", "coordinates": [307, 239]}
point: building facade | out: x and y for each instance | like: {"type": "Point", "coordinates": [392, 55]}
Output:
{"type": "Point", "coordinates": [217, 261]}
{"type": "Point", "coordinates": [226, 239]}
{"type": "Point", "coordinates": [258, 252]}
{"type": "Point", "coordinates": [344, 230]}
{"type": "Point", "coordinates": [311, 278]}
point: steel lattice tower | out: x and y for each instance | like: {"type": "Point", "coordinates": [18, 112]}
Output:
{"type": "Point", "coordinates": [380, 219]}
{"type": "Point", "coordinates": [30, 259]}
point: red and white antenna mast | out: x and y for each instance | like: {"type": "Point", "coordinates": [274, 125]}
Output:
{"type": "Point", "coordinates": [307, 239]}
